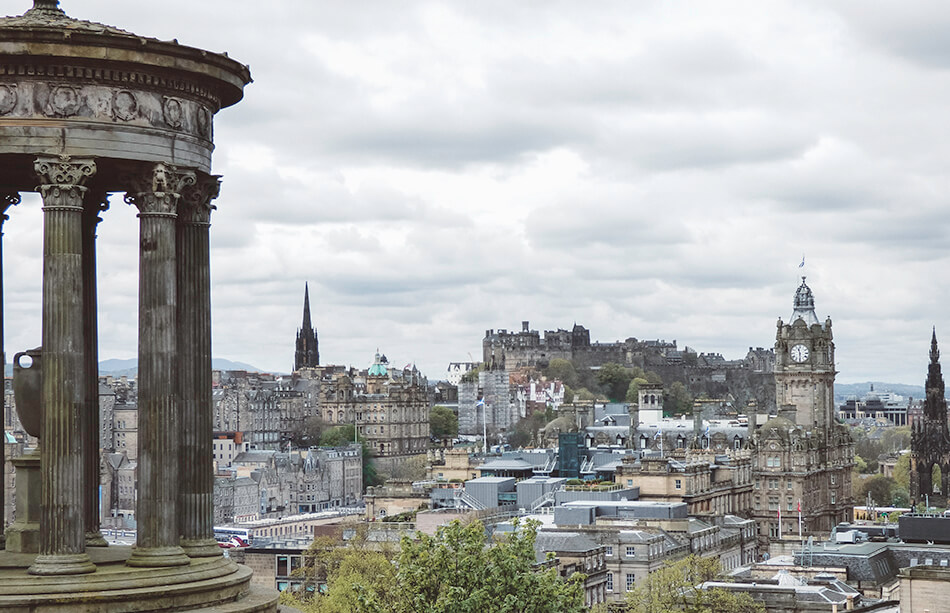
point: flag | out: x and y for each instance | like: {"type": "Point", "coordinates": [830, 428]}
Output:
{"type": "Point", "coordinates": [480, 403]}
{"type": "Point", "coordinates": [706, 433]}
{"type": "Point", "coordinates": [802, 265]}
{"type": "Point", "coordinates": [658, 434]}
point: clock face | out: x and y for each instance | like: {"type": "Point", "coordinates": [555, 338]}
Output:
{"type": "Point", "coordinates": [799, 353]}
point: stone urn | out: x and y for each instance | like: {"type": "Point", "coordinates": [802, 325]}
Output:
{"type": "Point", "coordinates": [27, 388]}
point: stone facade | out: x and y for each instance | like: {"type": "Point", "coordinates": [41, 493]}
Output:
{"type": "Point", "coordinates": [930, 436]}
{"type": "Point", "coordinates": [802, 455]}
{"type": "Point", "coordinates": [307, 354]}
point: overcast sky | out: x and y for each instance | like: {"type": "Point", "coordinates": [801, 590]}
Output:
{"type": "Point", "coordinates": [656, 170]}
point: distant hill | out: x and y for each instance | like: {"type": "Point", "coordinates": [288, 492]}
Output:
{"type": "Point", "coordinates": [844, 390]}
{"type": "Point", "coordinates": [118, 368]}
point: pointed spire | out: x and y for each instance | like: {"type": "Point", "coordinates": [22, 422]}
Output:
{"type": "Point", "coordinates": [306, 307]}
{"type": "Point", "coordinates": [934, 352]}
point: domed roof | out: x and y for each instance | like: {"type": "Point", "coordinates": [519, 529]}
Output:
{"type": "Point", "coordinates": [46, 30]}
{"type": "Point", "coordinates": [804, 305]}
{"type": "Point", "coordinates": [379, 368]}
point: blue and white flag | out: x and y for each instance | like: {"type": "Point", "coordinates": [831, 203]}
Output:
{"type": "Point", "coordinates": [658, 434]}
{"type": "Point", "coordinates": [802, 265]}
{"type": "Point", "coordinates": [480, 403]}
{"type": "Point", "coordinates": [706, 433]}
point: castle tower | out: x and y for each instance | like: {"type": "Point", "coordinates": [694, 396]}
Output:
{"type": "Point", "coordinates": [308, 353]}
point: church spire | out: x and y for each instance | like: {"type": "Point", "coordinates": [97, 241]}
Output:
{"type": "Point", "coordinates": [306, 308]}
{"type": "Point", "coordinates": [935, 406]}
{"type": "Point", "coordinates": [307, 353]}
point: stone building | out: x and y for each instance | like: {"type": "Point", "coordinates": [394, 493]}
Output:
{"type": "Point", "coordinates": [487, 403]}
{"type": "Point", "coordinates": [802, 455]}
{"type": "Point", "coordinates": [711, 484]}
{"type": "Point", "coordinates": [390, 407]}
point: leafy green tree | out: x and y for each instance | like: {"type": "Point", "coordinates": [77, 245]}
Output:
{"type": "Point", "coordinates": [677, 400]}
{"type": "Point", "coordinates": [309, 433]}
{"type": "Point", "coordinates": [902, 471]}
{"type": "Point", "coordinates": [653, 378]}
{"type": "Point", "coordinates": [586, 394]}
{"type": "Point", "coordinates": [633, 390]}
{"type": "Point", "coordinates": [675, 587]}
{"type": "Point", "coordinates": [443, 422]}
{"type": "Point", "coordinates": [526, 429]}
{"type": "Point", "coordinates": [454, 571]}
{"type": "Point", "coordinates": [568, 394]}
{"type": "Point", "coordinates": [880, 487]}
{"type": "Point", "coordinates": [339, 436]}
{"type": "Point", "coordinates": [614, 379]}
{"type": "Point", "coordinates": [559, 368]}
{"type": "Point", "coordinates": [860, 465]}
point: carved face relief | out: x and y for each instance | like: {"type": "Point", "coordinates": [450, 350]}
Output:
{"type": "Point", "coordinates": [203, 118]}
{"type": "Point", "coordinates": [124, 105]}
{"type": "Point", "coordinates": [7, 98]}
{"type": "Point", "coordinates": [64, 101]}
{"type": "Point", "coordinates": [172, 110]}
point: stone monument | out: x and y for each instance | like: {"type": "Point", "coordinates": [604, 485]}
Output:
{"type": "Point", "coordinates": [87, 110]}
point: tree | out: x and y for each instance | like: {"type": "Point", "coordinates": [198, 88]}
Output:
{"type": "Point", "coordinates": [860, 465]}
{"type": "Point", "coordinates": [568, 394]}
{"type": "Point", "coordinates": [633, 390]}
{"type": "Point", "coordinates": [675, 587]}
{"type": "Point", "coordinates": [443, 422]}
{"type": "Point", "coordinates": [880, 487]}
{"type": "Point", "coordinates": [614, 379]}
{"type": "Point", "coordinates": [454, 571]}
{"type": "Point", "coordinates": [563, 370]}
{"type": "Point", "coordinates": [309, 433]}
{"type": "Point", "coordinates": [902, 471]}
{"type": "Point", "coordinates": [677, 400]}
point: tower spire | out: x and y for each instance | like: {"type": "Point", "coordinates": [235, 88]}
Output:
{"type": "Point", "coordinates": [306, 308]}
{"type": "Point", "coordinates": [307, 351]}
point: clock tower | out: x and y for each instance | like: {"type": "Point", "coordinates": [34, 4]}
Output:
{"type": "Point", "coordinates": [802, 457]}
{"type": "Point", "coordinates": [805, 364]}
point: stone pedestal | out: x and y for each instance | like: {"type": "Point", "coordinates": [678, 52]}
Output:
{"type": "Point", "coordinates": [23, 536]}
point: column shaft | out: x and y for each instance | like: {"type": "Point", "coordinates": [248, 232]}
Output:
{"type": "Point", "coordinates": [7, 199]}
{"type": "Point", "coordinates": [89, 420]}
{"type": "Point", "coordinates": [158, 537]}
{"type": "Point", "coordinates": [62, 539]}
{"type": "Point", "coordinates": [196, 498]}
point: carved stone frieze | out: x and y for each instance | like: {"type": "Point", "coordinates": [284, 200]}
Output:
{"type": "Point", "coordinates": [196, 200]}
{"type": "Point", "coordinates": [8, 98]}
{"type": "Point", "coordinates": [62, 178]}
{"type": "Point", "coordinates": [29, 97]}
{"type": "Point", "coordinates": [157, 190]}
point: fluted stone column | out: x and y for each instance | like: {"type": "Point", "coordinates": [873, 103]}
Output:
{"type": "Point", "coordinates": [62, 538]}
{"type": "Point", "coordinates": [7, 199]}
{"type": "Point", "coordinates": [156, 194]}
{"type": "Point", "coordinates": [196, 497]}
{"type": "Point", "coordinates": [89, 419]}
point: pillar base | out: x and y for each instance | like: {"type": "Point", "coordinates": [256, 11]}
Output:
{"type": "Point", "coordinates": [95, 539]}
{"type": "Point", "coordinates": [201, 548]}
{"type": "Point", "coordinates": [158, 556]}
{"type": "Point", "coordinates": [62, 564]}
{"type": "Point", "coordinates": [23, 535]}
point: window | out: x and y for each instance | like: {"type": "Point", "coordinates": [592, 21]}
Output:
{"type": "Point", "coordinates": [773, 484]}
{"type": "Point", "coordinates": [788, 485]}
{"type": "Point", "coordinates": [610, 582]}
{"type": "Point", "coordinates": [679, 484]}
{"type": "Point", "coordinates": [757, 484]}
{"type": "Point", "coordinates": [773, 530]}
{"type": "Point", "coordinates": [773, 503]}
{"type": "Point", "coordinates": [833, 497]}
{"type": "Point", "coordinates": [788, 504]}
{"type": "Point", "coordinates": [610, 550]}
{"type": "Point", "coordinates": [631, 551]}
{"type": "Point", "coordinates": [631, 579]}
{"type": "Point", "coordinates": [629, 482]}
{"type": "Point", "coordinates": [833, 478]}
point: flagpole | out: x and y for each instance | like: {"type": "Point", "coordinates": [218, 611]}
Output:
{"type": "Point", "coordinates": [800, 526]}
{"type": "Point", "coordinates": [780, 519]}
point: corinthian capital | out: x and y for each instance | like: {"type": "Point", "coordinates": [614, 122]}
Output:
{"type": "Point", "coordinates": [157, 190]}
{"type": "Point", "coordinates": [196, 200]}
{"type": "Point", "coordinates": [61, 180]}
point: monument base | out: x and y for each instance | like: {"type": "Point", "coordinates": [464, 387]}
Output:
{"type": "Point", "coordinates": [205, 584]}
{"type": "Point", "coordinates": [23, 535]}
